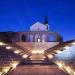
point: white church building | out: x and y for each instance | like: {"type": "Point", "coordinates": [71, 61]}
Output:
{"type": "Point", "coordinates": [37, 40]}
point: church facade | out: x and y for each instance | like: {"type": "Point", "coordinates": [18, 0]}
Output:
{"type": "Point", "coordinates": [39, 32]}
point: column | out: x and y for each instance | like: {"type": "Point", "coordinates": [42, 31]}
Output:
{"type": "Point", "coordinates": [33, 37]}
{"type": "Point", "coordinates": [40, 37]}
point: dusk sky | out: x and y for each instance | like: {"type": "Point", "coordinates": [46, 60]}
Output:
{"type": "Point", "coordinates": [19, 15]}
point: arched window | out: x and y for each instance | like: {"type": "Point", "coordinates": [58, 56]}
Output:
{"type": "Point", "coordinates": [23, 38]}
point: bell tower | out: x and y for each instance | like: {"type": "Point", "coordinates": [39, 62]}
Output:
{"type": "Point", "coordinates": [46, 22]}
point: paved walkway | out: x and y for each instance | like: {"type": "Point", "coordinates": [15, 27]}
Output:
{"type": "Point", "coordinates": [37, 70]}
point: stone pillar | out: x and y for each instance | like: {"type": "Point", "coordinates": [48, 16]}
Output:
{"type": "Point", "coordinates": [33, 37]}
{"type": "Point", "coordinates": [47, 39]}
{"type": "Point", "coordinates": [40, 37]}
{"type": "Point", "coordinates": [29, 37]}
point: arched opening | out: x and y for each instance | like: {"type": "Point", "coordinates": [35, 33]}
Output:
{"type": "Point", "coordinates": [37, 38]}
{"type": "Point", "coordinates": [23, 38]}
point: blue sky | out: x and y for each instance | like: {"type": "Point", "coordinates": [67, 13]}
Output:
{"type": "Point", "coordinates": [19, 15]}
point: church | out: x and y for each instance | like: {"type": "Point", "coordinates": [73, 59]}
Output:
{"type": "Point", "coordinates": [38, 39]}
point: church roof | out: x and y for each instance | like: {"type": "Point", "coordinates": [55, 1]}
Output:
{"type": "Point", "coordinates": [38, 27]}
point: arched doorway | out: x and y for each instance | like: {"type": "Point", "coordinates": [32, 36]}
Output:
{"type": "Point", "coordinates": [37, 38]}
{"type": "Point", "coordinates": [23, 38]}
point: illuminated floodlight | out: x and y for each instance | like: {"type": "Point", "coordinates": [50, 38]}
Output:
{"type": "Point", "coordinates": [8, 47]}
{"type": "Point", "coordinates": [66, 47]}
{"type": "Point", "coordinates": [68, 69]}
{"type": "Point", "coordinates": [37, 52]}
{"type": "Point", "coordinates": [1, 73]}
{"type": "Point", "coordinates": [50, 56]}
{"type": "Point", "coordinates": [14, 64]}
{"type": "Point", "coordinates": [6, 69]}
{"type": "Point", "coordinates": [17, 52]}
{"type": "Point", "coordinates": [41, 52]}
{"type": "Point", "coordinates": [60, 65]}
{"type": "Point", "coordinates": [39, 40]}
{"type": "Point", "coordinates": [25, 56]}
{"type": "Point", "coordinates": [34, 52]}
{"type": "Point", "coordinates": [73, 43]}
{"type": "Point", "coordinates": [58, 52]}
{"type": "Point", "coordinates": [1, 43]}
